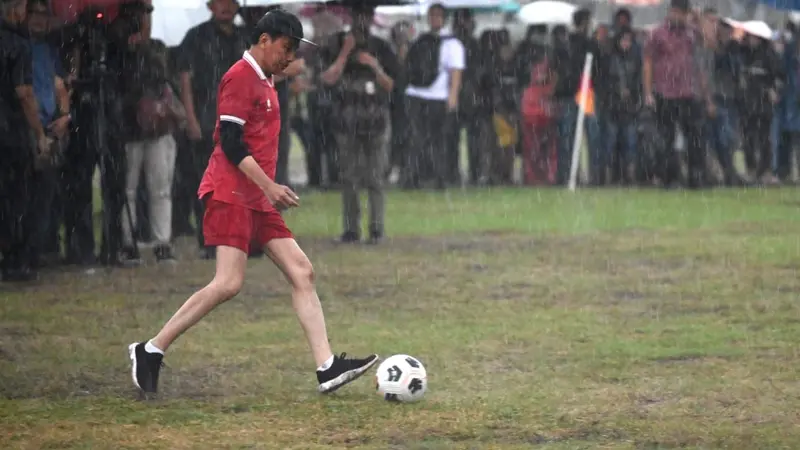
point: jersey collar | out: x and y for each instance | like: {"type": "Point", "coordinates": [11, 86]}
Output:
{"type": "Point", "coordinates": [250, 60]}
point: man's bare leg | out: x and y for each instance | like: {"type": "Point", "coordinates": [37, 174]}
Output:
{"type": "Point", "coordinates": [294, 264]}
{"type": "Point", "coordinates": [228, 279]}
{"type": "Point", "coordinates": [332, 372]}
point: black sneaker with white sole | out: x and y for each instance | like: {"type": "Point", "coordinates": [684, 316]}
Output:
{"type": "Point", "coordinates": [145, 367]}
{"type": "Point", "coordinates": [342, 371]}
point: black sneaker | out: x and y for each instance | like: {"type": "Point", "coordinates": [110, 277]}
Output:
{"type": "Point", "coordinates": [342, 371]}
{"type": "Point", "coordinates": [129, 256]}
{"type": "Point", "coordinates": [375, 237]}
{"type": "Point", "coordinates": [349, 237]}
{"type": "Point", "coordinates": [145, 367]}
{"type": "Point", "coordinates": [164, 254]}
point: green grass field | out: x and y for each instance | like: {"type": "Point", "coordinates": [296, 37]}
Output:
{"type": "Point", "coordinates": [601, 319]}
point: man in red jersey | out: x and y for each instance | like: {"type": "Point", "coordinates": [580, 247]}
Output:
{"type": "Point", "coordinates": [243, 204]}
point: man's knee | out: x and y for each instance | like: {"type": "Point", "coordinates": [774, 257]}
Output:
{"type": "Point", "coordinates": [301, 274]}
{"type": "Point", "coordinates": [228, 287]}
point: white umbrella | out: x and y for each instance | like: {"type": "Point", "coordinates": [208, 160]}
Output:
{"type": "Point", "coordinates": [421, 8]}
{"type": "Point", "coordinates": [173, 18]}
{"type": "Point", "coordinates": [278, 2]}
{"type": "Point", "coordinates": [547, 12]}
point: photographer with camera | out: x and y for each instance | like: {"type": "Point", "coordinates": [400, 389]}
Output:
{"type": "Point", "coordinates": [24, 144]}
{"type": "Point", "coordinates": [98, 97]}
{"type": "Point", "coordinates": [151, 112]}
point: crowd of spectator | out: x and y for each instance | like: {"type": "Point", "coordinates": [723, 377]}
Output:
{"type": "Point", "coordinates": [369, 112]}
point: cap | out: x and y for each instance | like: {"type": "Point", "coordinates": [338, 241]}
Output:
{"type": "Point", "coordinates": [281, 23]}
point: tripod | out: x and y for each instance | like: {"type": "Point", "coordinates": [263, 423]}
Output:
{"type": "Point", "coordinates": [98, 76]}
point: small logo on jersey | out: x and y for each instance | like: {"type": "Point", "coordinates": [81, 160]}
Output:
{"type": "Point", "coordinates": [269, 105]}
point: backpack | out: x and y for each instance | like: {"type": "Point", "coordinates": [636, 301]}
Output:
{"type": "Point", "coordinates": [422, 61]}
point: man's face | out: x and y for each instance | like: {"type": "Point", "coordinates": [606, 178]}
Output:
{"type": "Point", "coordinates": [602, 33]}
{"type": "Point", "coordinates": [224, 10]}
{"type": "Point", "coordinates": [278, 53]}
{"type": "Point", "coordinates": [622, 21]}
{"type": "Point", "coordinates": [436, 18]}
{"type": "Point", "coordinates": [38, 16]}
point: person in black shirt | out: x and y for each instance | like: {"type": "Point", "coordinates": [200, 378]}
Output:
{"type": "Point", "coordinates": [568, 62]}
{"type": "Point", "coordinates": [471, 103]}
{"type": "Point", "coordinates": [362, 69]}
{"type": "Point", "coordinates": [23, 142]}
{"type": "Point", "coordinates": [206, 53]}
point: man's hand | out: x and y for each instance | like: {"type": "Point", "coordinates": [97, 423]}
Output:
{"type": "Point", "coordinates": [295, 68]}
{"type": "Point", "coordinates": [368, 60]}
{"type": "Point", "coordinates": [44, 149]}
{"type": "Point", "coordinates": [60, 127]}
{"type": "Point", "coordinates": [281, 197]}
{"type": "Point", "coordinates": [193, 129]}
{"type": "Point", "coordinates": [773, 96]}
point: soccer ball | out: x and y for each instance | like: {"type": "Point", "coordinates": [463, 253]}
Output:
{"type": "Point", "coordinates": [401, 378]}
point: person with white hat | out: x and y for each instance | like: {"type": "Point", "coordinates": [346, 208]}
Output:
{"type": "Point", "coordinates": [760, 85]}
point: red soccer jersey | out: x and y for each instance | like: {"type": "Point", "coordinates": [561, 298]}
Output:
{"type": "Point", "coordinates": [247, 97]}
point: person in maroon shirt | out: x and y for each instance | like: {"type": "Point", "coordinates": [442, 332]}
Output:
{"type": "Point", "coordinates": [243, 205]}
{"type": "Point", "coordinates": [673, 85]}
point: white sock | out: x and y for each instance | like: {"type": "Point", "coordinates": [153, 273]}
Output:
{"type": "Point", "coordinates": [326, 365]}
{"type": "Point", "coordinates": [150, 348]}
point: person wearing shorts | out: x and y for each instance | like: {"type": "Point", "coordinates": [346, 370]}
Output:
{"type": "Point", "coordinates": [243, 206]}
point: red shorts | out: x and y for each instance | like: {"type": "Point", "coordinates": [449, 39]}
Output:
{"type": "Point", "coordinates": [239, 227]}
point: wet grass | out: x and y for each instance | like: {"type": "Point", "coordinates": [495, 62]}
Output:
{"type": "Point", "coordinates": [606, 319]}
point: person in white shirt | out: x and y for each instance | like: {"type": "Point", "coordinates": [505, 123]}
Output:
{"type": "Point", "coordinates": [432, 100]}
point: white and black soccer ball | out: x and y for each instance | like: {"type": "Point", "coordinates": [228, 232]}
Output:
{"type": "Point", "coordinates": [401, 378]}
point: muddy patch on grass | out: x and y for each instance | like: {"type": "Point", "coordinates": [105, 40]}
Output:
{"type": "Point", "coordinates": [35, 384]}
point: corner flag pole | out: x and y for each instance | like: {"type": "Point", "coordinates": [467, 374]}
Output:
{"type": "Point", "coordinates": [576, 145]}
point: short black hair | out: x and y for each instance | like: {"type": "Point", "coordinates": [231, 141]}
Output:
{"type": "Point", "coordinates": [278, 23]}
{"type": "Point", "coordinates": [624, 12]}
{"type": "Point", "coordinates": [581, 17]}
{"type": "Point", "coordinates": [440, 7]}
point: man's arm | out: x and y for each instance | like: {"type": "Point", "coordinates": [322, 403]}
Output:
{"type": "Point", "coordinates": [297, 67]}
{"type": "Point", "coordinates": [457, 68]}
{"type": "Point", "coordinates": [30, 108]}
{"type": "Point", "coordinates": [647, 69]}
{"type": "Point", "coordinates": [333, 73]}
{"type": "Point", "coordinates": [186, 95]}
{"type": "Point", "coordinates": [185, 61]}
{"type": "Point", "coordinates": [22, 77]}
{"type": "Point", "coordinates": [62, 96]}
